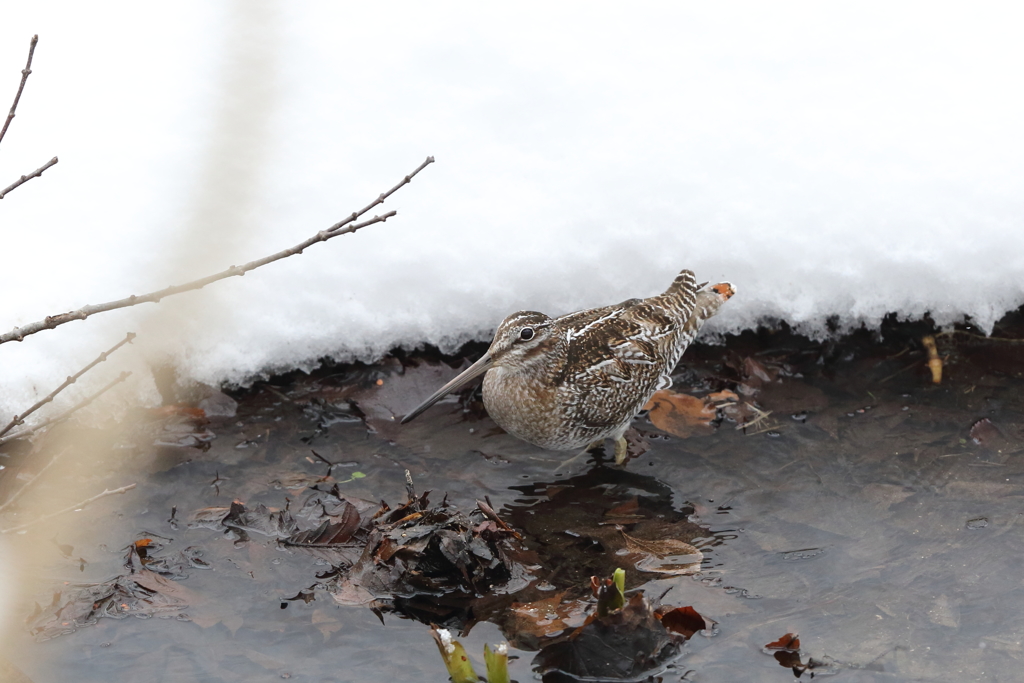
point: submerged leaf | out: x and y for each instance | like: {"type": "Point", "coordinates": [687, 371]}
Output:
{"type": "Point", "coordinates": [663, 556]}
{"type": "Point", "coordinates": [329, 533]}
{"type": "Point", "coordinates": [260, 520]}
{"type": "Point", "coordinates": [685, 621]}
{"type": "Point", "coordinates": [531, 622]}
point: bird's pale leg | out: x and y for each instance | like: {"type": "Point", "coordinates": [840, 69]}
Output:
{"type": "Point", "coordinates": [621, 450]}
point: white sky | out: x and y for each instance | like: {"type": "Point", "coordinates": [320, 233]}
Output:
{"type": "Point", "coordinates": [830, 159]}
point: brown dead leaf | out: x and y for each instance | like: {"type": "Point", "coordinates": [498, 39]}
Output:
{"type": "Point", "coordinates": [680, 414]}
{"type": "Point", "coordinates": [626, 513]}
{"type": "Point", "coordinates": [984, 433]}
{"type": "Point", "coordinates": [721, 397]}
{"type": "Point", "coordinates": [789, 642]}
{"type": "Point", "coordinates": [684, 620]}
{"type": "Point", "coordinates": [663, 556]}
{"type": "Point", "coordinates": [756, 373]}
{"type": "Point", "coordinates": [545, 618]}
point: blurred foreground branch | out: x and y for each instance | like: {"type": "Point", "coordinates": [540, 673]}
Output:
{"type": "Point", "coordinates": [81, 404]}
{"type": "Point", "coordinates": [24, 77]}
{"type": "Point", "coordinates": [76, 506]}
{"type": "Point", "coordinates": [17, 494]}
{"type": "Point", "coordinates": [342, 227]}
{"type": "Point", "coordinates": [20, 419]}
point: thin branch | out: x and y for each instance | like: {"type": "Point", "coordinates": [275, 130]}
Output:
{"type": "Point", "coordinates": [77, 506]}
{"type": "Point", "coordinates": [24, 77]}
{"type": "Point", "coordinates": [980, 337]}
{"type": "Point", "coordinates": [20, 419]}
{"type": "Point", "coordinates": [45, 423]}
{"type": "Point", "coordinates": [343, 227]}
{"type": "Point", "coordinates": [25, 178]}
{"type": "Point", "coordinates": [31, 481]}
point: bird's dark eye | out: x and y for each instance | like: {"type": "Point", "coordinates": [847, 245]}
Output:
{"type": "Point", "coordinates": [526, 334]}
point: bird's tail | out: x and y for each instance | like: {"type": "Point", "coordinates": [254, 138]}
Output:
{"type": "Point", "coordinates": [685, 282]}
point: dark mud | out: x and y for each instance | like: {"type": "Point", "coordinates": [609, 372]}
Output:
{"type": "Point", "coordinates": [875, 514]}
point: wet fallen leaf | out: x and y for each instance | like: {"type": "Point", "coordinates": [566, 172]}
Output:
{"type": "Point", "coordinates": [719, 398]}
{"type": "Point", "coordinates": [685, 621]}
{"type": "Point", "coordinates": [329, 533]}
{"type": "Point", "coordinates": [329, 540]}
{"type": "Point", "coordinates": [208, 518]}
{"type": "Point", "coordinates": [680, 414]}
{"type": "Point", "coordinates": [630, 510]}
{"type": "Point", "coordinates": [984, 433]}
{"type": "Point", "coordinates": [663, 556]}
{"type": "Point", "coordinates": [755, 372]}
{"type": "Point", "coordinates": [789, 642]}
{"type": "Point", "coordinates": [532, 622]}
{"type": "Point", "coordinates": [260, 520]}
{"type": "Point", "coordinates": [786, 651]}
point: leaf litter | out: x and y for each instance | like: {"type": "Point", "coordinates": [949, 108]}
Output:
{"type": "Point", "coordinates": [149, 588]}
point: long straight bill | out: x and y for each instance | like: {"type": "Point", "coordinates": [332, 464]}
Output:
{"type": "Point", "coordinates": [469, 374]}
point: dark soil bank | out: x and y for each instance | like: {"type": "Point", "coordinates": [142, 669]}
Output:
{"type": "Point", "coordinates": [831, 491]}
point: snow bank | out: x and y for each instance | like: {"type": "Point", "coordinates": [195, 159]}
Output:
{"type": "Point", "coordinates": [830, 160]}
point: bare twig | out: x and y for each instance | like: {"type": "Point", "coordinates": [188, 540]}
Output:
{"type": "Point", "coordinates": [20, 419]}
{"type": "Point", "coordinates": [342, 227]}
{"type": "Point", "coordinates": [25, 178]}
{"type": "Point", "coordinates": [14, 496]}
{"type": "Point", "coordinates": [24, 77]}
{"type": "Point", "coordinates": [760, 417]}
{"type": "Point", "coordinates": [980, 337]}
{"type": "Point", "coordinates": [45, 423]}
{"type": "Point", "coordinates": [77, 506]}
{"type": "Point", "coordinates": [900, 372]}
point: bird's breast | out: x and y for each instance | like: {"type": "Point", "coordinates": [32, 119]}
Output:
{"type": "Point", "coordinates": [526, 408]}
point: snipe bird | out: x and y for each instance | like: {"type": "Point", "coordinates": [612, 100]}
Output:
{"type": "Point", "coordinates": [569, 382]}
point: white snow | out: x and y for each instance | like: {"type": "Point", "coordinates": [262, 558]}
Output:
{"type": "Point", "coordinates": [446, 640]}
{"type": "Point", "coordinates": [830, 159]}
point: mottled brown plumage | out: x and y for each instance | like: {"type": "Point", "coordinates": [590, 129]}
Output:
{"type": "Point", "coordinates": [564, 383]}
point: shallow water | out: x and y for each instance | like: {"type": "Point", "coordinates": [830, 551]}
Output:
{"type": "Point", "coordinates": [870, 513]}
